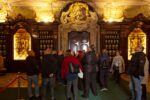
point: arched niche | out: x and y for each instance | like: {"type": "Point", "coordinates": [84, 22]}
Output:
{"type": "Point", "coordinates": [21, 44]}
{"type": "Point", "coordinates": [79, 17]}
{"type": "Point", "coordinates": [136, 38]}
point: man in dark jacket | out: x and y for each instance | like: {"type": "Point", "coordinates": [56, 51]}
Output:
{"type": "Point", "coordinates": [136, 72]}
{"type": "Point", "coordinates": [60, 58]}
{"type": "Point", "coordinates": [90, 72]}
{"type": "Point", "coordinates": [32, 74]}
{"type": "Point", "coordinates": [49, 66]}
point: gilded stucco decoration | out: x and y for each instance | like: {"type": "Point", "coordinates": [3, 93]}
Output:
{"type": "Point", "coordinates": [77, 12]}
{"type": "Point", "coordinates": [78, 17]}
{"type": "Point", "coordinates": [3, 14]}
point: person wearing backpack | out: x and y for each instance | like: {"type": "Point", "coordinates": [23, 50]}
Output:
{"type": "Point", "coordinates": [69, 72]}
{"type": "Point", "coordinates": [136, 73]}
{"type": "Point", "coordinates": [103, 63]}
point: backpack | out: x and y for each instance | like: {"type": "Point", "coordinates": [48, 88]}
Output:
{"type": "Point", "coordinates": [73, 68]}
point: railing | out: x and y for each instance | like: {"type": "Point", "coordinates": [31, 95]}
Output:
{"type": "Point", "coordinates": [17, 78]}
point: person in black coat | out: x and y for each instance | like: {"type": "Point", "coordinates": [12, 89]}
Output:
{"type": "Point", "coordinates": [32, 74]}
{"type": "Point", "coordinates": [49, 66]}
{"type": "Point", "coordinates": [60, 58]}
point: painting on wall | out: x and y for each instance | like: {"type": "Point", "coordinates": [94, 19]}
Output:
{"type": "Point", "coordinates": [136, 38]}
{"type": "Point", "coordinates": [21, 44]}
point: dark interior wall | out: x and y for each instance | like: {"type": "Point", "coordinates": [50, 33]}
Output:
{"type": "Point", "coordinates": [122, 28]}
{"type": "Point", "coordinates": [33, 28]}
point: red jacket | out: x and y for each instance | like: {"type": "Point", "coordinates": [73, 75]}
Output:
{"type": "Point", "coordinates": [65, 65]}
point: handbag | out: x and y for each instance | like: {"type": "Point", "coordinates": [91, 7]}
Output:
{"type": "Point", "coordinates": [80, 74]}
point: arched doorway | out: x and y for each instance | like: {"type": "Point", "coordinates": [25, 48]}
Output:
{"type": "Point", "coordinates": [78, 17]}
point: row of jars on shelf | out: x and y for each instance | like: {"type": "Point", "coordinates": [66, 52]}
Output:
{"type": "Point", "coordinates": [46, 41]}
{"type": "Point", "coordinates": [44, 32]}
{"type": "Point", "coordinates": [112, 46]}
{"type": "Point", "coordinates": [111, 52]}
{"type": "Point", "coordinates": [2, 41]}
{"type": "Point", "coordinates": [111, 41]}
{"type": "Point", "coordinates": [3, 33]}
{"type": "Point", "coordinates": [3, 52]}
{"type": "Point", "coordinates": [45, 36]}
{"type": "Point", "coordinates": [112, 36]}
{"type": "Point", "coordinates": [111, 32]}
{"type": "Point", "coordinates": [2, 46]}
{"type": "Point", "coordinates": [46, 46]}
{"type": "Point", "coordinates": [2, 36]}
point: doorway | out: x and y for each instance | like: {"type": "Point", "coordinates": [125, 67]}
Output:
{"type": "Point", "coordinates": [78, 41]}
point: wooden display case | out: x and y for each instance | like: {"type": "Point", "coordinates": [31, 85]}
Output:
{"type": "Point", "coordinates": [3, 37]}
{"type": "Point", "coordinates": [112, 40]}
{"type": "Point", "coordinates": [46, 40]}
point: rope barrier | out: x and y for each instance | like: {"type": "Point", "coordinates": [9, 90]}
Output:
{"type": "Point", "coordinates": [2, 89]}
{"type": "Point", "coordinates": [9, 83]}
{"type": "Point", "coordinates": [19, 87]}
{"type": "Point", "coordinates": [23, 78]}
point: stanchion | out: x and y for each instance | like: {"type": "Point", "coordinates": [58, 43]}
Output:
{"type": "Point", "coordinates": [19, 90]}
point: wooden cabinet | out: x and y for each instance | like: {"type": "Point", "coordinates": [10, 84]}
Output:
{"type": "Point", "coordinates": [42, 36]}
{"type": "Point", "coordinates": [3, 40]}
{"type": "Point", "coordinates": [111, 40]}
{"type": "Point", "coordinates": [46, 40]}
{"type": "Point", "coordinates": [47, 37]}
{"type": "Point", "coordinates": [110, 36]}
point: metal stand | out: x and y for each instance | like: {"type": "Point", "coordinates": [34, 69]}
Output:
{"type": "Point", "coordinates": [19, 90]}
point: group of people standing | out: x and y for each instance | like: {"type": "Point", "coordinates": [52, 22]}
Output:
{"type": "Point", "coordinates": [48, 70]}
{"type": "Point", "coordinates": [73, 69]}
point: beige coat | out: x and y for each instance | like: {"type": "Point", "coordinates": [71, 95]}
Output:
{"type": "Point", "coordinates": [146, 72]}
{"type": "Point", "coordinates": [120, 62]}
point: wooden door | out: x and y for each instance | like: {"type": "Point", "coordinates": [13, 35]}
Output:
{"type": "Point", "coordinates": [78, 41]}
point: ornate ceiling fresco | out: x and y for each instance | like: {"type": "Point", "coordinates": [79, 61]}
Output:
{"type": "Point", "coordinates": [44, 10]}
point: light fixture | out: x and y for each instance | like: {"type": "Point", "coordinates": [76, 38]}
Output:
{"type": "Point", "coordinates": [45, 17]}
{"type": "Point", "coordinates": [113, 12]}
{"type": "Point", "coordinates": [44, 14]}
